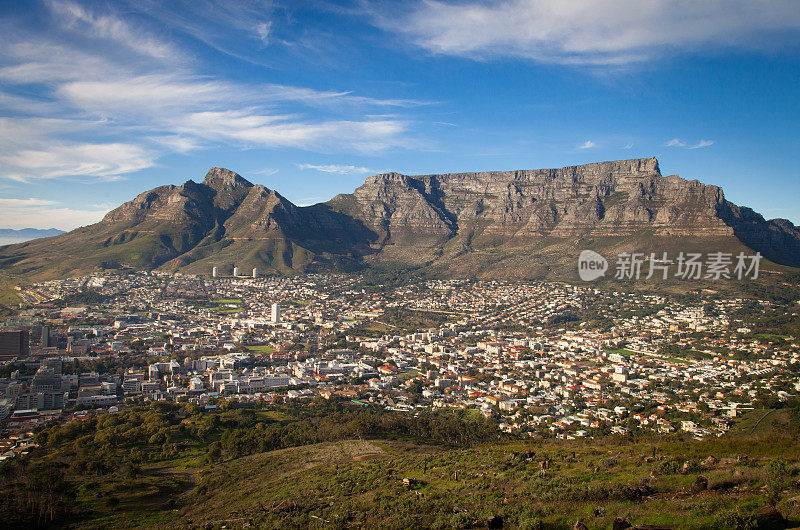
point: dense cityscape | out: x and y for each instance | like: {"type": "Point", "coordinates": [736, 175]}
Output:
{"type": "Point", "coordinates": [542, 359]}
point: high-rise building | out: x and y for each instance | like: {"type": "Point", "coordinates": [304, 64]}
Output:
{"type": "Point", "coordinates": [255, 272]}
{"type": "Point", "coordinates": [276, 313]}
{"type": "Point", "coordinates": [214, 272]}
{"type": "Point", "coordinates": [45, 338]}
{"type": "Point", "coordinates": [13, 344]}
{"type": "Point", "coordinates": [236, 271]}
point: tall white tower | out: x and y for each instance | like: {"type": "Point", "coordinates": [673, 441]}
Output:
{"type": "Point", "coordinates": [214, 272]}
{"type": "Point", "coordinates": [255, 272]}
{"type": "Point", "coordinates": [276, 313]}
{"type": "Point", "coordinates": [236, 271]}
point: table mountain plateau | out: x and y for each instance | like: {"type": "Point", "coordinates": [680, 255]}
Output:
{"type": "Point", "coordinates": [505, 224]}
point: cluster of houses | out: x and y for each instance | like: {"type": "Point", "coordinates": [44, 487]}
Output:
{"type": "Point", "coordinates": [544, 359]}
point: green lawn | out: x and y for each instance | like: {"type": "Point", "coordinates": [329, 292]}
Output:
{"type": "Point", "coordinates": [219, 305]}
{"type": "Point", "coordinates": [261, 350]}
{"type": "Point", "coordinates": [622, 351]}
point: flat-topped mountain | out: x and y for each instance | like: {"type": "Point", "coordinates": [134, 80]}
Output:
{"type": "Point", "coordinates": [528, 223]}
{"type": "Point", "coordinates": [524, 222]}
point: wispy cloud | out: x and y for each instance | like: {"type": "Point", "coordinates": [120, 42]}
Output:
{"type": "Point", "coordinates": [677, 142]}
{"type": "Point", "coordinates": [104, 161]}
{"type": "Point", "coordinates": [229, 27]}
{"type": "Point", "coordinates": [18, 203]}
{"type": "Point", "coordinates": [266, 171]}
{"type": "Point", "coordinates": [114, 29]}
{"type": "Point", "coordinates": [263, 130]}
{"type": "Point", "coordinates": [40, 213]}
{"type": "Point", "coordinates": [588, 144]}
{"type": "Point", "coordinates": [99, 76]}
{"type": "Point", "coordinates": [627, 146]}
{"type": "Point", "coordinates": [41, 148]}
{"type": "Point", "coordinates": [263, 30]}
{"type": "Point", "coordinates": [337, 169]}
{"type": "Point", "coordinates": [588, 32]}
{"type": "Point", "coordinates": [702, 143]}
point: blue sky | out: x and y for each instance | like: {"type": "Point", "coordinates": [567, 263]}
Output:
{"type": "Point", "coordinates": [102, 100]}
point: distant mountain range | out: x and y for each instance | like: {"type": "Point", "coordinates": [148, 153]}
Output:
{"type": "Point", "coordinates": [9, 236]}
{"type": "Point", "coordinates": [505, 224]}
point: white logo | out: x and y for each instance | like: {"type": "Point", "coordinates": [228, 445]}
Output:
{"type": "Point", "coordinates": [689, 265]}
{"type": "Point", "coordinates": [591, 265]}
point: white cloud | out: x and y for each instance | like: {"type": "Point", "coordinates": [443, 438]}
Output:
{"type": "Point", "coordinates": [228, 27]}
{"type": "Point", "coordinates": [151, 94]}
{"type": "Point", "coordinates": [594, 32]}
{"type": "Point", "coordinates": [588, 144]}
{"type": "Point", "coordinates": [112, 28]}
{"type": "Point", "coordinates": [17, 216]}
{"type": "Point", "coordinates": [37, 148]}
{"type": "Point", "coordinates": [177, 143]}
{"type": "Point", "coordinates": [677, 142]}
{"type": "Point", "coordinates": [259, 130]}
{"type": "Point", "coordinates": [164, 95]}
{"type": "Point", "coordinates": [102, 161]}
{"type": "Point", "coordinates": [338, 169]}
{"type": "Point", "coordinates": [702, 143]}
{"type": "Point", "coordinates": [263, 29]}
{"type": "Point", "coordinates": [98, 75]}
{"type": "Point", "coordinates": [17, 203]}
{"type": "Point", "coordinates": [41, 60]}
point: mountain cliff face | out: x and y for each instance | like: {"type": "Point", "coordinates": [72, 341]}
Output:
{"type": "Point", "coordinates": [508, 221]}
{"type": "Point", "coordinates": [502, 224]}
{"type": "Point", "coordinates": [608, 198]}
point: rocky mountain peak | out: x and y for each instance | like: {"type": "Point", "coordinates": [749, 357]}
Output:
{"type": "Point", "coordinates": [219, 177]}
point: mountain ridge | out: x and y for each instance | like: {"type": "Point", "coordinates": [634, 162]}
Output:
{"type": "Point", "coordinates": [523, 223]}
{"type": "Point", "coordinates": [9, 236]}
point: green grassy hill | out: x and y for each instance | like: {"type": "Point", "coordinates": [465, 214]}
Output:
{"type": "Point", "coordinates": [8, 294]}
{"type": "Point", "coordinates": [358, 484]}
{"type": "Point", "coordinates": [333, 466]}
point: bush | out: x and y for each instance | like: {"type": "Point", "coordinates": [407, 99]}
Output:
{"type": "Point", "coordinates": [734, 520]}
{"type": "Point", "coordinates": [668, 467]}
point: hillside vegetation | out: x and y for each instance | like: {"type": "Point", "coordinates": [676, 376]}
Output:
{"type": "Point", "coordinates": [8, 294]}
{"type": "Point", "coordinates": [338, 465]}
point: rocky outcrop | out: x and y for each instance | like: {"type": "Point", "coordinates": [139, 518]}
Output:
{"type": "Point", "coordinates": [608, 198]}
